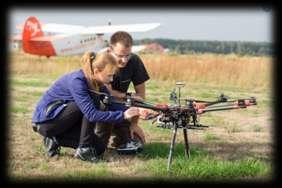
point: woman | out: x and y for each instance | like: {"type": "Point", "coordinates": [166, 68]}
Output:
{"type": "Point", "coordinates": [68, 111]}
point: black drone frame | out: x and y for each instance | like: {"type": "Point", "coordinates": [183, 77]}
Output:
{"type": "Point", "coordinates": [176, 116]}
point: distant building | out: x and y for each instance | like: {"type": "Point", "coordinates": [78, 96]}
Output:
{"type": "Point", "coordinates": [154, 48]}
{"type": "Point", "coordinates": [15, 42]}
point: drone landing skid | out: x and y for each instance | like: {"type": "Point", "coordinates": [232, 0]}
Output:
{"type": "Point", "coordinates": [190, 126]}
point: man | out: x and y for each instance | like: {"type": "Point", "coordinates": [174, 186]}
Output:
{"type": "Point", "coordinates": [132, 70]}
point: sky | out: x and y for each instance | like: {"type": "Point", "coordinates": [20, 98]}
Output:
{"type": "Point", "coordinates": [221, 24]}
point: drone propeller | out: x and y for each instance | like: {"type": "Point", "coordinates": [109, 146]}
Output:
{"type": "Point", "coordinates": [223, 98]}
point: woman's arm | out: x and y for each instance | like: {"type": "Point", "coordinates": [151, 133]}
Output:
{"type": "Point", "coordinates": [79, 90]}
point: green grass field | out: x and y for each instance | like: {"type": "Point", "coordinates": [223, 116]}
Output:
{"type": "Point", "coordinates": [238, 145]}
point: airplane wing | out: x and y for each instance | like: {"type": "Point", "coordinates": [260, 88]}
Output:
{"type": "Point", "coordinates": [49, 38]}
{"type": "Point", "coordinates": [137, 48]}
{"type": "Point", "coordinates": [62, 28]}
{"type": "Point", "coordinates": [76, 29]}
{"type": "Point", "coordinates": [134, 49]}
{"type": "Point", "coordinates": [58, 28]}
{"type": "Point", "coordinates": [128, 28]}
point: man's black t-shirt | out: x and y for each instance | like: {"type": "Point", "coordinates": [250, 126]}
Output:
{"type": "Point", "coordinates": [134, 71]}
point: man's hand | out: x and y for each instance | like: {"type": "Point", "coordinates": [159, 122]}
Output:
{"type": "Point", "coordinates": [136, 130]}
{"type": "Point", "coordinates": [136, 97]}
{"type": "Point", "coordinates": [119, 95]}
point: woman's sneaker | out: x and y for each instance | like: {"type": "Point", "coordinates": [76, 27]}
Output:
{"type": "Point", "coordinates": [87, 154]}
{"type": "Point", "coordinates": [52, 146]}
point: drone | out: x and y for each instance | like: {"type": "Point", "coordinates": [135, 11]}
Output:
{"type": "Point", "coordinates": [182, 113]}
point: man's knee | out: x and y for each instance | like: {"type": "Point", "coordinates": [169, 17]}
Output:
{"type": "Point", "coordinates": [104, 131]}
{"type": "Point", "coordinates": [121, 129]}
{"type": "Point", "coordinates": [103, 128]}
{"type": "Point", "coordinates": [121, 134]}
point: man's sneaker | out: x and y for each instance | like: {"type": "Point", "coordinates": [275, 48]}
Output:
{"type": "Point", "coordinates": [131, 147]}
{"type": "Point", "coordinates": [87, 154]}
{"type": "Point", "coordinates": [51, 145]}
{"type": "Point", "coordinates": [138, 144]}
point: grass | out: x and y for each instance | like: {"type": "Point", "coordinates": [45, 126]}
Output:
{"type": "Point", "coordinates": [236, 146]}
{"type": "Point", "coordinates": [209, 137]}
{"type": "Point", "coordinates": [257, 128]}
{"type": "Point", "coordinates": [205, 168]}
{"type": "Point", "coordinates": [243, 71]}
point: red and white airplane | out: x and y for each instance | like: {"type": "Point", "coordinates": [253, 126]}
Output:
{"type": "Point", "coordinates": [70, 39]}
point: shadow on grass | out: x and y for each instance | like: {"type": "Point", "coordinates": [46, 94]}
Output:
{"type": "Point", "coordinates": [224, 151]}
{"type": "Point", "coordinates": [161, 150]}
{"type": "Point", "coordinates": [236, 151]}
{"type": "Point", "coordinates": [220, 151]}
{"type": "Point", "coordinates": [209, 161]}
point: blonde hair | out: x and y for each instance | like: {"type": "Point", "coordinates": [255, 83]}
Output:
{"type": "Point", "coordinates": [90, 60]}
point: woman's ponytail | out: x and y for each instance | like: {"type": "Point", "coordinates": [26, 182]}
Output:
{"type": "Point", "coordinates": [88, 70]}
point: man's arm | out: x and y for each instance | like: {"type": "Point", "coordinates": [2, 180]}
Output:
{"type": "Point", "coordinates": [115, 93]}
{"type": "Point", "coordinates": [140, 90]}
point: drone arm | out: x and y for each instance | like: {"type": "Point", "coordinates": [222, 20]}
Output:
{"type": "Point", "coordinates": [241, 103]}
{"type": "Point", "coordinates": [158, 108]}
{"type": "Point", "coordinates": [200, 111]}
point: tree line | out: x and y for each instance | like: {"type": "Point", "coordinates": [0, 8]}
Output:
{"type": "Point", "coordinates": [222, 47]}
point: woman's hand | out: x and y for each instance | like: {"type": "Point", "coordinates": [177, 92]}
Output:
{"type": "Point", "coordinates": [147, 113]}
{"type": "Point", "coordinates": [131, 112]}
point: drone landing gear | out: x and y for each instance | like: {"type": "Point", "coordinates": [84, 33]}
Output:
{"type": "Point", "coordinates": [172, 144]}
{"type": "Point", "coordinates": [186, 142]}
{"type": "Point", "coordinates": [197, 126]}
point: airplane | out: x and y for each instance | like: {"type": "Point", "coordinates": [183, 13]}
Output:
{"type": "Point", "coordinates": [54, 39]}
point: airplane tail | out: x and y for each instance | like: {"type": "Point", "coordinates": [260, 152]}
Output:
{"type": "Point", "coordinates": [32, 29]}
{"type": "Point", "coordinates": [31, 43]}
